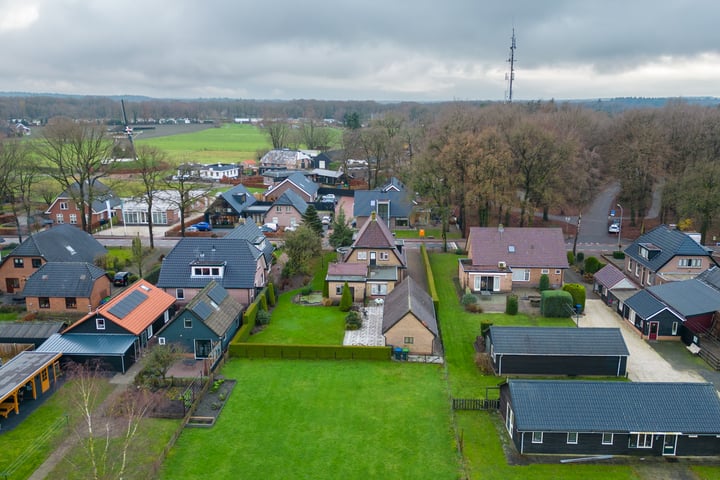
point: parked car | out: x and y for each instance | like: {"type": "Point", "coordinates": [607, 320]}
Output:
{"type": "Point", "coordinates": [614, 228]}
{"type": "Point", "coordinates": [203, 227]}
{"type": "Point", "coordinates": [192, 229]}
{"type": "Point", "coordinates": [326, 220]}
{"type": "Point", "coordinates": [291, 228]}
{"type": "Point", "coordinates": [329, 198]}
{"type": "Point", "coordinates": [121, 279]}
{"type": "Point", "coordinates": [269, 227]}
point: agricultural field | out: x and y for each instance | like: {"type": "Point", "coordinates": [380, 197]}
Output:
{"type": "Point", "coordinates": [227, 143]}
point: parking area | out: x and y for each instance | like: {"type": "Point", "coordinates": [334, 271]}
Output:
{"type": "Point", "coordinates": [645, 363]}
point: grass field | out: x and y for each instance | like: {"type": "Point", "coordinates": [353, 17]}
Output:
{"type": "Point", "coordinates": [228, 143]}
{"type": "Point", "coordinates": [324, 420]}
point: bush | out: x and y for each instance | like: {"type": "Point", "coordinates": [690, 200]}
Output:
{"type": "Point", "coordinates": [578, 294]}
{"type": "Point", "coordinates": [544, 282]}
{"type": "Point", "coordinates": [263, 302]}
{"type": "Point", "coordinates": [474, 308]}
{"type": "Point", "coordinates": [262, 317]}
{"type": "Point", "coordinates": [580, 257]}
{"type": "Point", "coordinates": [326, 289]}
{"type": "Point", "coordinates": [468, 299]}
{"type": "Point", "coordinates": [618, 254]}
{"type": "Point", "coordinates": [346, 300]}
{"type": "Point", "coordinates": [511, 305]}
{"type": "Point", "coordinates": [556, 303]}
{"type": "Point", "coordinates": [327, 302]}
{"type": "Point", "coordinates": [592, 265]}
{"type": "Point", "coordinates": [484, 364]}
{"type": "Point", "coordinates": [484, 327]}
{"type": "Point", "coordinates": [133, 278]}
{"type": "Point", "coordinates": [306, 290]}
{"type": "Point", "coordinates": [271, 294]}
{"type": "Point", "coordinates": [353, 321]}
{"type": "Point", "coordinates": [459, 251]}
{"type": "Point", "coordinates": [570, 257]}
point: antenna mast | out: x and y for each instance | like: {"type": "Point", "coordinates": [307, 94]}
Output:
{"type": "Point", "coordinates": [511, 75]}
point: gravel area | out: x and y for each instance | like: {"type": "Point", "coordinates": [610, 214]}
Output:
{"type": "Point", "coordinates": [370, 334]}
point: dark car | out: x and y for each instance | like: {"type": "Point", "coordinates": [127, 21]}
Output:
{"type": "Point", "coordinates": [121, 279]}
{"type": "Point", "coordinates": [203, 227]}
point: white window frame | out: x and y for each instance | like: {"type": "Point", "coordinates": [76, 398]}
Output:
{"type": "Point", "coordinates": [60, 218]}
{"type": "Point", "coordinates": [604, 438]}
{"type": "Point", "coordinates": [637, 270]}
{"type": "Point", "coordinates": [544, 271]}
{"type": "Point", "coordinates": [558, 271]}
{"type": "Point", "coordinates": [362, 255]}
{"type": "Point", "coordinates": [73, 219]}
{"type": "Point", "coordinates": [384, 256]}
{"type": "Point", "coordinates": [99, 323]}
{"type": "Point", "coordinates": [180, 294]}
{"type": "Point", "coordinates": [63, 205]}
{"type": "Point", "coordinates": [409, 340]}
{"type": "Point", "coordinates": [338, 289]}
{"type": "Point", "coordinates": [572, 438]}
{"type": "Point", "coordinates": [645, 437]}
{"type": "Point", "coordinates": [187, 323]}
{"type": "Point", "coordinates": [161, 340]}
{"type": "Point", "coordinates": [516, 275]}
{"type": "Point", "coordinates": [674, 328]}
{"type": "Point", "coordinates": [535, 439]}
{"type": "Point", "coordinates": [509, 417]}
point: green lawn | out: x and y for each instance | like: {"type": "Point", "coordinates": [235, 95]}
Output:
{"type": "Point", "coordinates": [304, 324]}
{"type": "Point", "coordinates": [324, 419]}
{"type": "Point", "coordinates": [435, 233]}
{"type": "Point", "coordinates": [228, 143]}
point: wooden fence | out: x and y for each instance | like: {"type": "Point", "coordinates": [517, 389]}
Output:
{"type": "Point", "coordinates": [475, 404]}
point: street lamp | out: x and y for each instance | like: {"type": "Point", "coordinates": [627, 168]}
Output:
{"type": "Point", "coordinates": [620, 226]}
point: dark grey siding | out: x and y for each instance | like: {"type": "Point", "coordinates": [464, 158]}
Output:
{"type": "Point", "coordinates": [560, 365]}
{"type": "Point", "coordinates": [702, 445]}
{"type": "Point", "coordinates": [110, 363]}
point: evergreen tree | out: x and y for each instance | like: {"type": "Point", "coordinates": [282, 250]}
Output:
{"type": "Point", "coordinates": [341, 235]}
{"type": "Point", "coordinates": [311, 219]}
{"type": "Point", "coordinates": [346, 299]}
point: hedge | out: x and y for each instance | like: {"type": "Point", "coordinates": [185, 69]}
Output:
{"type": "Point", "coordinates": [249, 318]}
{"type": "Point", "coordinates": [578, 294]}
{"type": "Point", "coordinates": [556, 303]}
{"type": "Point", "coordinates": [308, 352]}
{"type": "Point", "coordinates": [430, 277]}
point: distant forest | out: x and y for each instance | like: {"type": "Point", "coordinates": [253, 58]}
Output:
{"type": "Point", "coordinates": [106, 109]}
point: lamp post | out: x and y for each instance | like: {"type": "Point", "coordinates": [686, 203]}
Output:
{"type": "Point", "coordinates": [620, 226]}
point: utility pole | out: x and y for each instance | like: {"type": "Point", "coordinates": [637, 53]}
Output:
{"type": "Point", "coordinates": [577, 232]}
{"type": "Point", "coordinates": [511, 76]}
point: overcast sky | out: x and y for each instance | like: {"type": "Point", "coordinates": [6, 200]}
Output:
{"type": "Point", "coordinates": [420, 50]}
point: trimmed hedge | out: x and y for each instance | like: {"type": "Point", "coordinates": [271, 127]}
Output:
{"type": "Point", "coordinates": [556, 304]}
{"type": "Point", "coordinates": [511, 305]}
{"type": "Point", "coordinates": [578, 294]}
{"type": "Point", "coordinates": [430, 277]}
{"type": "Point", "coordinates": [249, 318]}
{"type": "Point", "coordinates": [271, 294]}
{"type": "Point", "coordinates": [308, 352]}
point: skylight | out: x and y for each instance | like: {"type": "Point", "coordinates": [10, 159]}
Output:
{"type": "Point", "coordinates": [70, 249]}
{"type": "Point", "coordinates": [511, 248]}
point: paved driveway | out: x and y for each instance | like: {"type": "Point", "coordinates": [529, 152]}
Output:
{"type": "Point", "coordinates": [644, 363]}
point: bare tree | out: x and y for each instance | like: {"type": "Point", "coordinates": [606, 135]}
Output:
{"type": "Point", "coordinates": [152, 163]}
{"type": "Point", "coordinates": [189, 191]}
{"type": "Point", "coordinates": [76, 151]}
{"type": "Point", "coordinates": [279, 133]}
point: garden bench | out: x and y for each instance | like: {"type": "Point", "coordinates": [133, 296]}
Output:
{"type": "Point", "coordinates": [6, 408]}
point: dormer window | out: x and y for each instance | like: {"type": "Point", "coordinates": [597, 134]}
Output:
{"type": "Point", "coordinates": [213, 271]}
{"type": "Point", "coordinates": [643, 252]}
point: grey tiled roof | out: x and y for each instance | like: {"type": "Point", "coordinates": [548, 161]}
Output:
{"type": "Point", "coordinates": [689, 297]}
{"type": "Point", "coordinates": [237, 254]}
{"type": "Point", "coordinates": [711, 277]}
{"type": "Point", "coordinates": [29, 329]}
{"type": "Point", "coordinates": [558, 341]}
{"type": "Point", "coordinates": [233, 197]}
{"type": "Point", "coordinates": [409, 297]}
{"type": "Point", "coordinates": [63, 279]}
{"type": "Point", "coordinates": [669, 242]}
{"type": "Point", "coordinates": [587, 406]}
{"type": "Point", "coordinates": [645, 304]}
{"type": "Point", "coordinates": [101, 194]}
{"type": "Point", "coordinates": [220, 319]}
{"type": "Point", "coordinates": [610, 276]}
{"type": "Point", "coordinates": [61, 243]}
{"type": "Point", "coordinates": [251, 232]}
{"type": "Point", "coordinates": [301, 181]}
{"type": "Point", "coordinates": [366, 202]}
{"type": "Point", "coordinates": [293, 199]}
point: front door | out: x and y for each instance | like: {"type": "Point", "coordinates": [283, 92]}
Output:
{"type": "Point", "coordinates": [669, 444]}
{"type": "Point", "coordinates": [44, 380]}
{"type": "Point", "coordinates": [11, 284]}
{"type": "Point", "coordinates": [653, 330]}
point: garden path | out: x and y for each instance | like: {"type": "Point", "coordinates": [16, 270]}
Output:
{"type": "Point", "coordinates": [370, 334]}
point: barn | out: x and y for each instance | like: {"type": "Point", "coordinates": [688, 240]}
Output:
{"type": "Point", "coordinates": [557, 351]}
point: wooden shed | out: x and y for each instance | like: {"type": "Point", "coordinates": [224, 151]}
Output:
{"type": "Point", "coordinates": [557, 351]}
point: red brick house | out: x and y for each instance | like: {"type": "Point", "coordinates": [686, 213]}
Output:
{"type": "Point", "coordinates": [65, 208]}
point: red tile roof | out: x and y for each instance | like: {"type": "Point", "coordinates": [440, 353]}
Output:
{"type": "Point", "coordinates": [343, 269]}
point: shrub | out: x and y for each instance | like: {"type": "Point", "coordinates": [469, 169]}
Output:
{"type": "Point", "coordinates": [459, 251]}
{"type": "Point", "coordinates": [484, 326]}
{"type": "Point", "coordinates": [618, 254]}
{"type": "Point", "coordinates": [353, 321]}
{"type": "Point", "coordinates": [592, 265]}
{"type": "Point", "coordinates": [468, 299]}
{"type": "Point", "coordinates": [578, 294]}
{"type": "Point", "coordinates": [262, 317]}
{"type": "Point", "coordinates": [544, 282]}
{"type": "Point", "coordinates": [484, 364]}
{"type": "Point", "coordinates": [133, 278]}
{"type": "Point", "coordinates": [570, 257]}
{"type": "Point", "coordinates": [511, 305]}
{"type": "Point", "coordinates": [327, 302]}
{"type": "Point", "coordinates": [263, 302]}
{"type": "Point", "coordinates": [306, 290]}
{"type": "Point", "coordinates": [473, 308]}
{"type": "Point", "coordinates": [271, 294]}
{"type": "Point", "coordinates": [556, 303]}
{"type": "Point", "coordinates": [250, 314]}
{"type": "Point", "coordinates": [346, 299]}
{"type": "Point", "coordinates": [326, 289]}
{"type": "Point", "coordinates": [580, 257]}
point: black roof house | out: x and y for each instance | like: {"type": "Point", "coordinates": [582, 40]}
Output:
{"type": "Point", "coordinates": [67, 279]}
{"type": "Point", "coordinates": [61, 243]}
{"type": "Point", "coordinates": [653, 318]}
{"type": "Point", "coordinates": [251, 232]}
{"type": "Point", "coordinates": [611, 418]}
{"type": "Point", "coordinates": [557, 351]}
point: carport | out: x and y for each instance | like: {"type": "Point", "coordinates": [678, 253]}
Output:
{"type": "Point", "coordinates": [29, 371]}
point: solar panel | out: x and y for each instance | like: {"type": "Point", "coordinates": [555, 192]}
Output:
{"type": "Point", "coordinates": [128, 304]}
{"type": "Point", "coordinates": [202, 310]}
{"type": "Point", "coordinates": [218, 294]}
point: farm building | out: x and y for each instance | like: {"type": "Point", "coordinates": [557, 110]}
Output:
{"type": "Point", "coordinates": [557, 351]}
